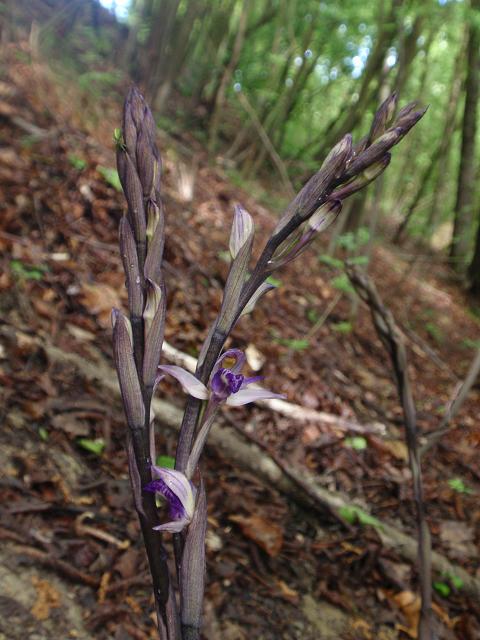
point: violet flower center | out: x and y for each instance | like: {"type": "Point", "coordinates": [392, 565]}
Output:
{"type": "Point", "coordinates": [225, 382]}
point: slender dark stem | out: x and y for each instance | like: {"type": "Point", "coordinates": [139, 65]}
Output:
{"type": "Point", "coordinates": [388, 333]}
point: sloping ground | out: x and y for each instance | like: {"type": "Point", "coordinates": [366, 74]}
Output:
{"type": "Point", "coordinates": [275, 571]}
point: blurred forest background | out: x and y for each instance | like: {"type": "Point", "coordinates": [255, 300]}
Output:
{"type": "Point", "coordinates": [249, 97]}
{"type": "Point", "coordinates": [269, 86]}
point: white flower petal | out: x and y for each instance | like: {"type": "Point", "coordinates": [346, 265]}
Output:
{"type": "Point", "coordinates": [189, 382]}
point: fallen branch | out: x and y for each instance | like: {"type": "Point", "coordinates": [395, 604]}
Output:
{"type": "Point", "coordinates": [298, 484]}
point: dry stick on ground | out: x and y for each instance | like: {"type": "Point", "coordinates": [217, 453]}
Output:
{"type": "Point", "coordinates": [458, 398]}
{"type": "Point", "coordinates": [389, 334]}
{"type": "Point", "coordinates": [298, 484]}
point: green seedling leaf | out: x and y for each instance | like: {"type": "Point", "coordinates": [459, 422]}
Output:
{"type": "Point", "coordinates": [434, 331]}
{"type": "Point", "coordinates": [110, 176]}
{"type": "Point", "coordinates": [165, 461]}
{"type": "Point", "coordinates": [456, 582]}
{"type": "Point", "coordinates": [25, 272]}
{"type": "Point", "coordinates": [342, 283]}
{"type": "Point", "coordinates": [335, 263]}
{"type": "Point", "coordinates": [77, 163]}
{"type": "Point", "coordinates": [473, 344]}
{"type": "Point", "coordinates": [458, 485]}
{"type": "Point", "coordinates": [43, 433]}
{"type": "Point", "coordinates": [354, 514]}
{"type": "Point", "coordinates": [118, 139]}
{"type": "Point", "coordinates": [342, 327]}
{"type": "Point", "coordinates": [360, 260]}
{"type": "Point", "coordinates": [225, 256]}
{"type": "Point", "coordinates": [359, 443]}
{"type": "Point", "coordinates": [273, 281]}
{"type": "Point", "coordinates": [442, 588]}
{"type": "Point", "coordinates": [296, 345]}
{"type": "Point", "coordinates": [312, 315]}
{"type": "Point", "coordinates": [93, 446]}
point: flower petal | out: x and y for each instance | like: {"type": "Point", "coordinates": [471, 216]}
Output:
{"type": "Point", "coordinates": [242, 230]}
{"type": "Point", "coordinates": [175, 526]}
{"type": "Point", "coordinates": [189, 382]}
{"type": "Point", "coordinates": [236, 355]}
{"type": "Point", "coordinates": [244, 396]}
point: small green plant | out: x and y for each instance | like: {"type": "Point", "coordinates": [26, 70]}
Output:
{"type": "Point", "coordinates": [359, 443]}
{"type": "Point", "coordinates": [442, 589]}
{"type": "Point", "coordinates": [434, 331]}
{"type": "Point", "coordinates": [458, 485]}
{"type": "Point", "coordinates": [25, 272]}
{"type": "Point", "coordinates": [343, 327]}
{"type": "Point", "coordinates": [77, 163]}
{"type": "Point", "coordinates": [353, 514]}
{"type": "Point", "coordinates": [95, 446]}
{"type": "Point", "coordinates": [110, 176]}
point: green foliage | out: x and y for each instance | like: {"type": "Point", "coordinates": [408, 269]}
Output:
{"type": "Point", "coordinates": [165, 461]}
{"type": "Point", "coordinates": [110, 176]}
{"type": "Point", "coordinates": [354, 514]}
{"type": "Point", "coordinates": [330, 261]}
{"type": "Point", "coordinates": [442, 589]}
{"type": "Point", "coordinates": [343, 327]}
{"type": "Point", "coordinates": [458, 485]}
{"type": "Point", "coordinates": [43, 433]}
{"type": "Point", "coordinates": [273, 281]}
{"type": "Point", "coordinates": [342, 283]}
{"type": "Point", "coordinates": [354, 240]}
{"type": "Point", "coordinates": [359, 443]}
{"type": "Point", "coordinates": [25, 272]}
{"type": "Point", "coordinates": [434, 330]}
{"type": "Point", "coordinates": [77, 163]}
{"type": "Point", "coordinates": [95, 446]}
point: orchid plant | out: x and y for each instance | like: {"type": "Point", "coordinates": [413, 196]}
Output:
{"type": "Point", "coordinates": [218, 379]}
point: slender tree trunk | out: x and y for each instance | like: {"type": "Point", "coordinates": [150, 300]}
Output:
{"type": "Point", "coordinates": [220, 97]}
{"type": "Point", "coordinates": [466, 174]}
{"type": "Point", "coordinates": [474, 268]}
{"type": "Point", "coordinates": [439, 158]}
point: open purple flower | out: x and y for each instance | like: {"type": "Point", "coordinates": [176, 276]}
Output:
{"type": "Point", "coordinates": [226, 383]}
{"type": "Point", "coordinates": [179, 493]}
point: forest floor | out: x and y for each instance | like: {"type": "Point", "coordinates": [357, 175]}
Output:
{"type": "Point", "coordinates": [71, 560]}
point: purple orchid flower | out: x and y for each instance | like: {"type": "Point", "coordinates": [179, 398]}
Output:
{"type": "Point", "coordinates": [226, 385]}
{"type": "Point", "coordinates": [179, 493]}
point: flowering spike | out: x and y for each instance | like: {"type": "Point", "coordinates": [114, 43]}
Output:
{"type": "Point", "coordinates": [128, 252]}
{"type": "Point", "coordinates": [371, 173]}
{"type": "Point", "coordinates": [127, 372]}
{"type": "Point", "coordinates": [242, 230]}
{"type": "Point", "coordinates": [383, 117]}
{"type": "Point", "coordinates": [179, 493]}
{"type": "Point", "coordinates": [154, 318]}
{"type": "Point", "coordinates": [306, 201]}
{"type": "Point", "coordinates": [132, 188]}
{"type": "Point", "coordinates": [156, 226]}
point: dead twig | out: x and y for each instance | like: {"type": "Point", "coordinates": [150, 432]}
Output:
{"type": "Point", "coordinates": [389, 334]}
{"type": "Point", "coordinates": [459, 396]}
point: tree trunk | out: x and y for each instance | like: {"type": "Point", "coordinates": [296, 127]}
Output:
{"type": "Point", "coordinates": [466, 174]}
{"type": "Point", "coordinates": [220, 97]}
{"type": "Point", "coordinates": [439, 157]}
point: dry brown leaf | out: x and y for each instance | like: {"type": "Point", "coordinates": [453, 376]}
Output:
{"type": "Point", "coordinates": [99, 299]}
{"type": "Point", "coordinates": [409, 604]}
{"type": "Point", "coordinates": [287, 592]}
{"type": "Point", "coordinates": [268, 535]}
{"type": "Point", "coordinates": [47, 598]}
